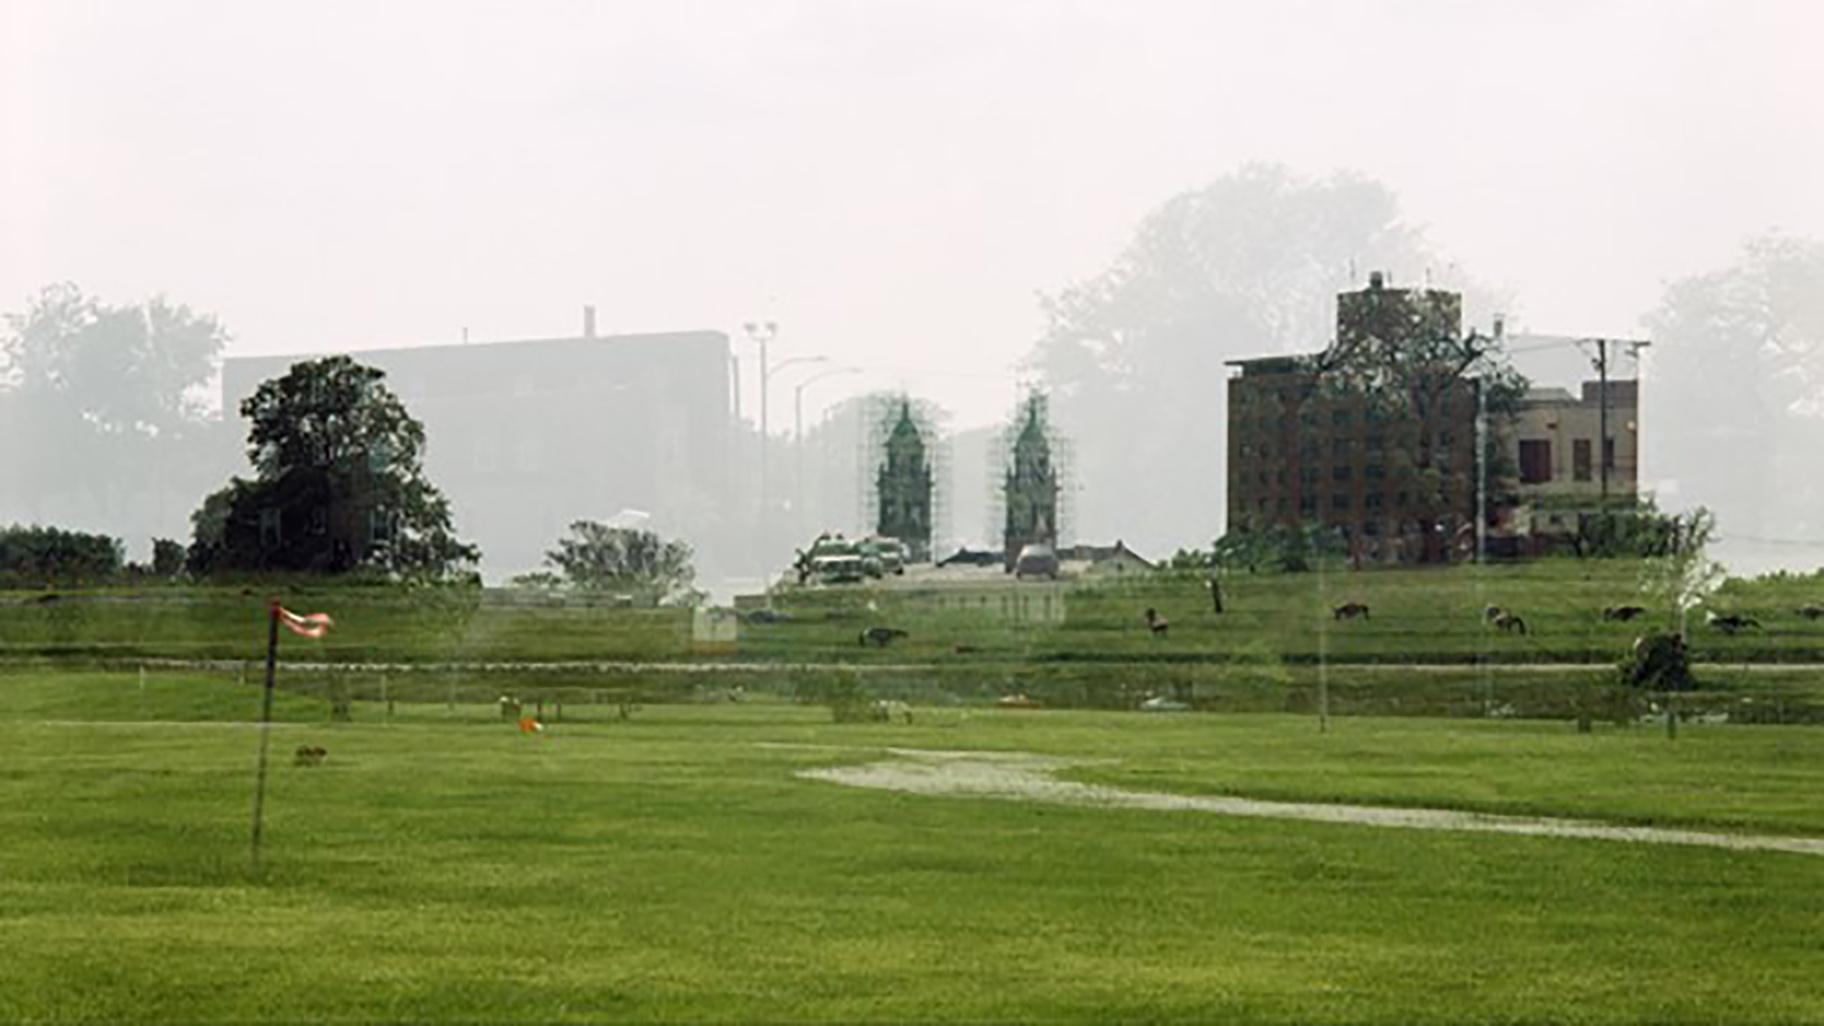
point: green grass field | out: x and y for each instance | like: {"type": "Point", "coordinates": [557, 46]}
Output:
{"type": "Point", "coordinates": [673, 867]}
{"type": "Point", "coordinates": [1419, 616]}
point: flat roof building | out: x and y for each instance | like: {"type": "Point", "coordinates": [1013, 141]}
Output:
{"type": "Point", "coordinates": [526, 437]}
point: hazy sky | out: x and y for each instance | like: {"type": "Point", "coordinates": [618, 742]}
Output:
{"type": "Point", "coordinates": [892, 182]}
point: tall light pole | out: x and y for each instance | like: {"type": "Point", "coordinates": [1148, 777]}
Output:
{"type": "Point", "coordinates": [798, 433]}
{"type": "Point", "coordinates": [760, 333]}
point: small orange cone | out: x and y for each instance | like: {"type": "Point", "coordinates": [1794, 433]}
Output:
{"type": "Point", "coordinates": [528, 725]}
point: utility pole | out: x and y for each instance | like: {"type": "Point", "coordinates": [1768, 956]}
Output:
{"type": "Point", "coordinates": [761, 333]}
{"type": "Point", "coordinates": [1602, 417]}
{"type": "Point", "coordinates": [1605, 443]}
{"type": "Point", "coordinates": [798, 440]}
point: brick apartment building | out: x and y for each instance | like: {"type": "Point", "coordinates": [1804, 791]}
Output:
{"type": "Point", "coordinates": [1401, 490]}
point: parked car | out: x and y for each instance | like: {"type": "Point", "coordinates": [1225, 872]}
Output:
{"type": "Point", "coordinates": [1036, 561]}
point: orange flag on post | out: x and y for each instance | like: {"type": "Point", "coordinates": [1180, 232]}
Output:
{"type": "Point", "coordinates": [310, 625]}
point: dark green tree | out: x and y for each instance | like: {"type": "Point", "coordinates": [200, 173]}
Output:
{"type": "Point", "coordinates": [596, 557]}
{"type": "Point", "coordinates": [339, 484]}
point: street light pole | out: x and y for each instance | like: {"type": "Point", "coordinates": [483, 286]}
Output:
{"type": "Point", "coordinates": [760, 333]}
{"type": "Point", "coordinates": [798, 435]}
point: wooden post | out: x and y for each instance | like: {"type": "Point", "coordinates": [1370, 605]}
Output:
{"type": "Point", "coordinates": [259, 787]}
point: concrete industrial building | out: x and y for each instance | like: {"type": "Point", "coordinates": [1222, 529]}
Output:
{"type": "Point", "coordinates": [1553, 443]}
{"type": "Point", "coordinates": [526, 437]}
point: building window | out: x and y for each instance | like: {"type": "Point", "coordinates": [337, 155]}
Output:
{"type": "Point", "coordinates": [1374, 471]}
{"type": "Point", "coordinates": [1374, 500]}
{"type": "Point", "coordinates": [1339, 501]}
{"type": "Point", "coordinates": [379, 527]}
{"type": "Point", "coordinates": [1339, 418]}
{"type": "Point", "coordinates": [1340, 448]}
{"type": "Point", "coordinates": [1535, 461]}
{"type": "Point", "coordinates": [1377, 442]}
{"type": "Point", "coordinates": [1307, 474]}
{"type": "Point", "coordinates": [1580, 459]}
{"type": "Point", "coordinates": [1608, 454]}
{"type": "Point", "coordinates": [1339, 473]}
{"type": "Point", "coordinates": [1307, 505]}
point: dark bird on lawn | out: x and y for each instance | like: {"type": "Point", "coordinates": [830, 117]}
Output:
{"type": "Point", "coordinates": [1731, 622]}
{"type": "Point", "coordinates": [881, 636]}
{"type": "Point", "coordinates": [1811, 612]}
{"type": "Point", "coordinates": [1621, 614]}
{"type": "Point", "coordinates": [1156, 623]}
{"type": "Point", "coordinates": [1350, 610]}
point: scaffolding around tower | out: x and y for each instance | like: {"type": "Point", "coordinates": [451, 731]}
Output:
{"type": "Point", "coordinates": [903, 479]}
{"type": "Point", "coordinates": [1030, 488]}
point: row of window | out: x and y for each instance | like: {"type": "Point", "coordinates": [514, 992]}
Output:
{"type": "Point", "coordinates": [1340, 448]}
{"type": "Point", "coordinates": [1536, 459]}
{"type": "Point", "coordinates": [1339, 501]}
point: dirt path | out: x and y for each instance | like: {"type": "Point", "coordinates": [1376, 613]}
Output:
{"type": "Point", "coordinates": [1032, 778]}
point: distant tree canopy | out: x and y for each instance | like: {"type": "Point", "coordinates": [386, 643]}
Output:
{"type": "Point", "coordinates": [1738, 367]}
{"type": "Point", "coordinates": [339, 484]}
{"type": "Point", "coordinates": [597, 557]}
{"type": "Point", "coordinates": [97, 403]}
{"type": "Point", "coordinates": [1246, 266]}
{"type": "Point", "coordinates": [49, 556]}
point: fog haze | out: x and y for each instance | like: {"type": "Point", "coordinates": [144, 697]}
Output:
{"type": "Point", "coordinates": [891, 182]}
{"type": "Point", "coordinates": [901, 187]}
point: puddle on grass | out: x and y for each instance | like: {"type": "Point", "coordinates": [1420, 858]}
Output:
{"type": "Point", "coordinates": [1016, 776]}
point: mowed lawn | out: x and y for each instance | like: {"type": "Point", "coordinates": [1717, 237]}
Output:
{"type": "Point", "coordinates": [1419, 615]}
{"type": "Point", "coordinates": [672, 867]}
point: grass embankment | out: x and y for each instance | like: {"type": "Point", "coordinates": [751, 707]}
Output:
{"type": "Point", "coordinates": [672, 868]}
{"type": "Point", "coordinates": [1424, 616]}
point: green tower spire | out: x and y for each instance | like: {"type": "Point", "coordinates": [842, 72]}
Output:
{"type": "Point", "coordinates": [904, 484]}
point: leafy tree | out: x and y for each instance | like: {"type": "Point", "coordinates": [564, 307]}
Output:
{"type": "Point", "coordinates": [339, 484]}
{"type": "Point", "coordinates": [1279, 547]}
{"type": "Point", "coordinates": [167, 558]}
{"type": "Point", "coordinates": [1680, 580]}
{"type": "Point", "coordinates": [1738, 363]}
{"type": "Point", "coordinates": [117, 387]}
{"type": "Point", "coordinates": [1246, 266]}
{"type": "Point", "coordinates": [1641, 531]}
{"type": "Point", "coordinates": [50, 556]}
{"type": "Point", "coordinates": [597, 557]}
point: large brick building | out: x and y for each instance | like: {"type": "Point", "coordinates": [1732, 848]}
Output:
{"type": "Point", "coordinates": [1398, 487]}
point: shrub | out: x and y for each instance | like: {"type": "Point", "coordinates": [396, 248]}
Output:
{"type": "Point", "coordinates": [1658, 662]}
{"type": "Point", "coordinates": [47, 556]}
